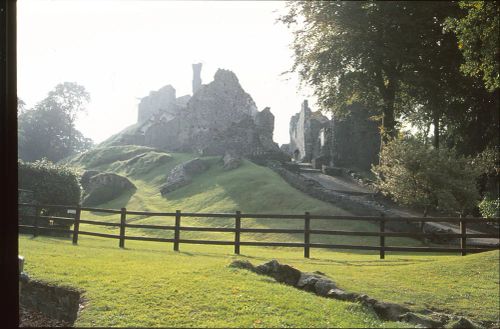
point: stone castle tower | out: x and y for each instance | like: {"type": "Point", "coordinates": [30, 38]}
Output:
{"type": "Point", "coordinates": [196, 77]}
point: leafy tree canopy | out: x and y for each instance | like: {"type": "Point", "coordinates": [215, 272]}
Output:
{"type": "Point", "coordinates": [478, 32]}
{"type": "Point", "coordinates": [48, 129]}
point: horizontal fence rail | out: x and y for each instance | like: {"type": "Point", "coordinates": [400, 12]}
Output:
{"type": "Point", "coordinates": [382, 248]}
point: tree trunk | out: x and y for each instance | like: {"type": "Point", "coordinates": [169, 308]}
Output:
{"type": "Point", "coordinates": [436, 129]}
{"type": "Point", "coordinates": [388, 121]}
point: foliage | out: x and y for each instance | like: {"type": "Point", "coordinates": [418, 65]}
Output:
{"type": "Point", "coordinates": [489, 208]}
{"type": "Point", "coordinates": [398, 60]}
{"type": "Point", "coordinates": [48, 129]}
{"type": "Point", "coordinates": [364, 51]}
{"type": "Point", "coordinates": [417, 175]}
{"type": "Point", "coordinates": [50, 183]}
{"type": "Point", "coordinates": [478, 32]}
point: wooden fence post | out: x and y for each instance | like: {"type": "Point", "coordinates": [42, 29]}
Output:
{"type": "Point", "coordinates": [463, 239]}
{"type": "Point", "coordinates": [307, 227]}
{"type": "Point", "coordinates": [237, 226]}
{"type": "Point", "coordinates": [177, 229]}
{"type": "Point", "coordinates": [123, 218]}
{"type": "Point", "coordinates": [76, 226]}
{"type": "Point", "coordinates": [382, 238]}
{"type": "Point", "coordinates": [35, 224]}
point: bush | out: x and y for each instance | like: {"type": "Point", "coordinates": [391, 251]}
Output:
{"type": "Point", "coordinates": [414, 174]}
{"type": "Point", "coordinates": [489, 208]}
{"type": "Point", "coordinates": [50, 183]}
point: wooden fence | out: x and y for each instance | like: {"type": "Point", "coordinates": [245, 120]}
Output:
{"type": "Point", "coordinates": [237, 230]}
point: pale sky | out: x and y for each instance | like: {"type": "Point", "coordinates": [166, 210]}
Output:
{"type": "Point", "coordinates": [121, 50]}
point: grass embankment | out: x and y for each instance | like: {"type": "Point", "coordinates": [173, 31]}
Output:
{"type": "Point", "coordinates": [147, 284]}
{"type": "Point", "coordinates": [249, 188]}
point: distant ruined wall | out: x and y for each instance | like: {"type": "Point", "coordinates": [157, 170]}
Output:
{"type": "Point", "coordinates": [353, 141]}
{"type": "Point", "coordinates": [196, 77]}
{"type": "Point", "coordinates": [160, 100]}
{"type": "Point", "coordinates": [304, 130]}
{"type": "Point", "coordinates": [356, 140]}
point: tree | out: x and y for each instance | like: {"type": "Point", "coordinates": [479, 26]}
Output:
{"type": "Point", "coordinates": [361, 51]}
{"type": "Point", "coordinates": [71, 99]}
{"type": "Point", "coordinates": [478, 32]}
{"type": "Point", "coordinates": [417, 175]}
{"type": "Point", "coordinates": [397, 59]}
{"type": "Point", "coordinates": [48, 129]}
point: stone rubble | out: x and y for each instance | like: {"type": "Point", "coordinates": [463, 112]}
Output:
{"type": "Point", "coordinates": [323, 286]}
{"type": "Point", "coordinates": [182, 174]}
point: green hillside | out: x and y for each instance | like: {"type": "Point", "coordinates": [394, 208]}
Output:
{"type": "Point", "coordinates": [250, 188]}
{"type": "Point", "coordinates": [149, 285]}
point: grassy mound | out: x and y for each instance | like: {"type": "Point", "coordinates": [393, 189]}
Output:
{"type": "Point", "coordinates": [102, 156]}
{"type": "Point", "coordinates": [250, 188]}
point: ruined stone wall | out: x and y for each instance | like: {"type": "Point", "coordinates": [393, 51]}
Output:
{"type": "Point", "coordinates": [196, 77]}
{"type": "Point", "coordinates": [356, 140]}
{"type": "Point", "coordinates": [353, 141]}
{"type": "Point", "coordinates": [161, 100]}
{"type": "Point", "coordinates": [304, 130]}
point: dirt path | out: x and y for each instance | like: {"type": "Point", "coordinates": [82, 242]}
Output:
{"type": "Point", "coordinates": [345, 185]}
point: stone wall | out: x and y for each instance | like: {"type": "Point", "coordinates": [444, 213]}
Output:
{"type": "Point", "coordinates": [356, 140]}
{"type": "Point", "coordinates": [196, 77]}
{"type": "Point", "coordinates": [161, 100]}
{"type": "Point", "coordinates": [54, 301]}
{"type": "Point", "coordinates": [304, 130]}
{"type": "Point", "coordinates": [352, 141]}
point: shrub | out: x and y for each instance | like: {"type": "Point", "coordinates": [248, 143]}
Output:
{"type": "Point", "coordinates": [414, 174]}
{"type": "Point", "coordinates": [50, 183]}
{"type": "Point", "coordinates": [489, 208]}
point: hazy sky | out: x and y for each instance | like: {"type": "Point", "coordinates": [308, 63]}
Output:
{"type": "Point", "coordinates": [121, 50]}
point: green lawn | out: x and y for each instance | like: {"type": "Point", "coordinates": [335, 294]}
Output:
{"type": "Point", "coordinates": [148, 284]}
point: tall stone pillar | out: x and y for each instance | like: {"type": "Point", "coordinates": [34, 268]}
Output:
{"type": "Point", "coordinates": [196, 77]}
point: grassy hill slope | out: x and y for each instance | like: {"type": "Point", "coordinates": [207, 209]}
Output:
{"type": "Point", "coordinates": [148, 284]}
{"type": "Point", "coordinates": [249, 188]}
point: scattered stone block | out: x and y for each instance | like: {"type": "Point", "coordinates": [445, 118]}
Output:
{"type": "Point", "coordinates": [243, 264]}
{"type": "Point", "coordinates": [281, 273]}
{"type": "Point", "coordinates": [422, 320]}
{"type": "Point", "coordinates": [464, 323]}
{"type": "Point", "coordinates": [231, 161]}
{"type": "Point", "coordinates": [182, 174]}
{"type": "Point", "coordinates": [389, 311]}
{"type": "Point", "coordinates": [104, 187]}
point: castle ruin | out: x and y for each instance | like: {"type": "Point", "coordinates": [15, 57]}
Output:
{"type": "Point", "coordinates": [350, 142]}
{"type": "Point", "coordinates": [219, 117]}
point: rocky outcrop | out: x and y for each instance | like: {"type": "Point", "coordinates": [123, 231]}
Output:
{"type": "Point", "coordinates": [85, 178]}
{"type": "Point", "coordinates": [231, 161]}
{"type": "Point", "coordinates": [103, 187]}
{"type": "Point", "coordinates": [319, 284]}
{"type": "Point", "coordinates": [182, 175]}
